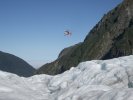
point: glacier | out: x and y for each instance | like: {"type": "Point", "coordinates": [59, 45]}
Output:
{"type": "Point", "coordinates": [90, 80]}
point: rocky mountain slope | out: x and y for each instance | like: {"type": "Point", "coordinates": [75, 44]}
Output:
{"type": "Point", "coordinates": [13, 64]}
{"type": "Point", "coordinates": [111, 37]}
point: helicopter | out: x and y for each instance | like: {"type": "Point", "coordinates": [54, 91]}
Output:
{"type": "Point", "coordinates": [67, 33]}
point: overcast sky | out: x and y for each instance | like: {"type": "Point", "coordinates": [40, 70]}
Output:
{"type": "Point", "coordinates": [34, 29]}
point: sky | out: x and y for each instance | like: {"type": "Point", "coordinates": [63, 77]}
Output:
{"type": "Point", "coordinates": [34, 29]}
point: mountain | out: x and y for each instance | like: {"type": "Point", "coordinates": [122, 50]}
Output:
{"type": "Point", "coordinates": [90, 80]}
{"type": "Point", "coordinates": [111, 37]}
{"type": "Point", "coordinates": [64, 61]}
{"type": "Point", "coordinates": [13, 64]}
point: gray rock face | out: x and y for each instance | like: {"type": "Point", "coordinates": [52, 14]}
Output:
{"type": "Point", "coordinates": [111, 37]}
{"type": "Point", "coordinates": [13, 64]}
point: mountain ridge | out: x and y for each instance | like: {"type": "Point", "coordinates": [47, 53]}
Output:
{"type": "Point", "coordinates": [14, 64]}
{"type": "Point", "coordinates": [111, 37]}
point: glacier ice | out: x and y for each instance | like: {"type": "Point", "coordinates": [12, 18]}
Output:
{"type": "Point", "coordinates": [90, 80]}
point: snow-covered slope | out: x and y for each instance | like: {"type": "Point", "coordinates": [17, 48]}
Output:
{"type": "Point", "coordinates": [91, 80]}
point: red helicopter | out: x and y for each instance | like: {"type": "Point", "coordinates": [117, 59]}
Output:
{"type": "Point", "coordinates": [68, 33]}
